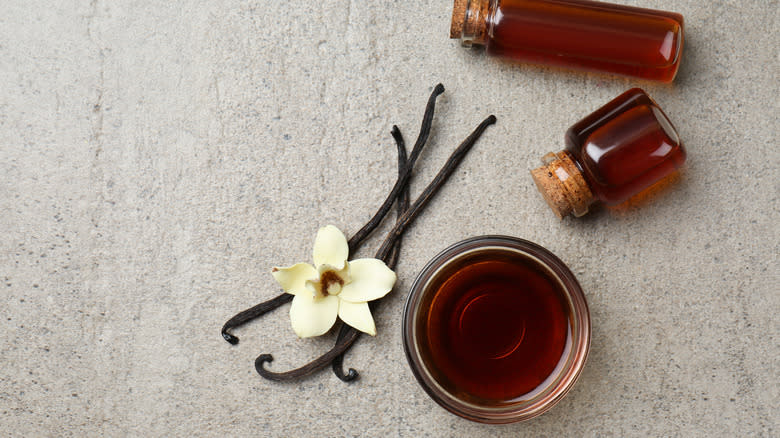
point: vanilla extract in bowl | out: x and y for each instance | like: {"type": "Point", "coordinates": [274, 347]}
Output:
{"type": "Point", "coordinates": [496, 329]}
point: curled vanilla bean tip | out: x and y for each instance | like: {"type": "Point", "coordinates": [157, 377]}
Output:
{"type": "Point", "coordinates": [338, 362]}
{"type": "Point", "coordinates": [338, 369]}
{"type": "Point", "coordinates": [351, 375]}
{"type": "Point", "coordinates": [342, 345]}
{"type": "Point", "coordinates": [262, 359]}
{"type": "Point", "coordinates": [253, 312]}
{"type": "Point", "coordinates": [229, 337]}
{"type": "Point", "coordinates": [337, 365]}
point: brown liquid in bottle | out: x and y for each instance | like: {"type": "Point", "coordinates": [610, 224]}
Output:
{"type": "Point", "coordinates": [625, 146]}
{"type": "Point", "coordinates": [589, 35]}
{"type": "Point", "coordinates": [496, 328]}
{"type": "Point", "coordinates": [581, 34]}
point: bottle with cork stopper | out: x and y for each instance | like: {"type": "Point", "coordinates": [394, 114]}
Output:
{"type": "Point", "coordinates": [578, 34]}
{"type": "Point", "coordinates": [611, 155]}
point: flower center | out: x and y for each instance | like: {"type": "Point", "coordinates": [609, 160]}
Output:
{"type": "Point", "coordinates": [331, 283]}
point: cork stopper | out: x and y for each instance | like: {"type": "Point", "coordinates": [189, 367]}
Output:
{"type": "Point", "coordinates": [470, 21]}
{"type": "Point", "coordinates": [458, 17]}
{"type": "Point", "coordinates": [562, 185]}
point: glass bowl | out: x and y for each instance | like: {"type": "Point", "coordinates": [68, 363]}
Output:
{"type": "Point", "coordinates": [496, 329]}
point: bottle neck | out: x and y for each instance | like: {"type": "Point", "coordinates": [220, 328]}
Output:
{"type": "Point", "coordinates": [471, 21]}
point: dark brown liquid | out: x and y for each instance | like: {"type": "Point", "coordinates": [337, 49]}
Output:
{"type": "Point", "coordinates": [589, 35]}
{"type": "Point", "coordinates": [625, 147]}
{"type": "Point", "coordinates": [495, 328]}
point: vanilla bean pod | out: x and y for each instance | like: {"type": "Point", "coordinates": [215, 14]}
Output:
{"type": "Point", "coordinates": [449, 167]}
{"type": "Point", "coordinates": [252, 313]}
{"type": "Point", "coordinates": [403, 177]}
{"type": "Point", "coordinates": [401, 206]}
{"type": "Point", "coordinates": [351, 335]}
{"type": "Point", "coordinates": [404, 198]}
{"type": "Point", "coordinates": [354, 243]}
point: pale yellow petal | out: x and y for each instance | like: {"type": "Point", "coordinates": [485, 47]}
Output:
{"type": "Point", "coordinates": [313, 316]}
{"type": "Point", "coordinates": [314, 288]}
{"type": "Point", "coordinates": [371, 279]}
{"type": "Point", "coordinates": [358, 315]}
{"type": "Point", "coordinates": [293, 278]}
{"type": "Point", "coordinates": [330, 247]}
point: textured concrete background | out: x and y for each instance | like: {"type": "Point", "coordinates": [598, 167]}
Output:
{"type": "Point", "coordinates": [157, 158]}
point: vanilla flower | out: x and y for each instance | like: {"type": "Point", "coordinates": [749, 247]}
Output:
{"type": "Point", "coordinates": [335, 287]}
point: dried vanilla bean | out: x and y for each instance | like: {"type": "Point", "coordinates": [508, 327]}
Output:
{"type": "Point", "coordinates": [403, 176]}
{"type": "Point", "coordinates": [388, 252]}
{"type": "Point", "coordinates": [358, 238]}
{"type": "Point", "coordinates": [401, 206]}
{"type": "Point", "coordinates": [350, 335]}
{"type": "Point", "coordinates": [433, 187]}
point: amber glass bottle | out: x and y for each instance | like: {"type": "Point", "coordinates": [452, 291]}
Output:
{"type": "Point", "coordinates": [578, 34]}
{"type": "Point", "coordinates": [611, 155]}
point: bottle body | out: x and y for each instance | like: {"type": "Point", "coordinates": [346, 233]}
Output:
{"type": "Point", "coordinates": [611, 155]}
{"type": "Point", "coordinates": [578, 34]}
{"type": "Point", "coordinates": [625, 146]}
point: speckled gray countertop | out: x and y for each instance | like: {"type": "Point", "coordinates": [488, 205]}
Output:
{"type": "Point", "coordinates": [158, 158]}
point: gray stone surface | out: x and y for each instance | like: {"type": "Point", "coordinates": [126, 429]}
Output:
{"type": "Point", "coordinates": [157, 158]}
